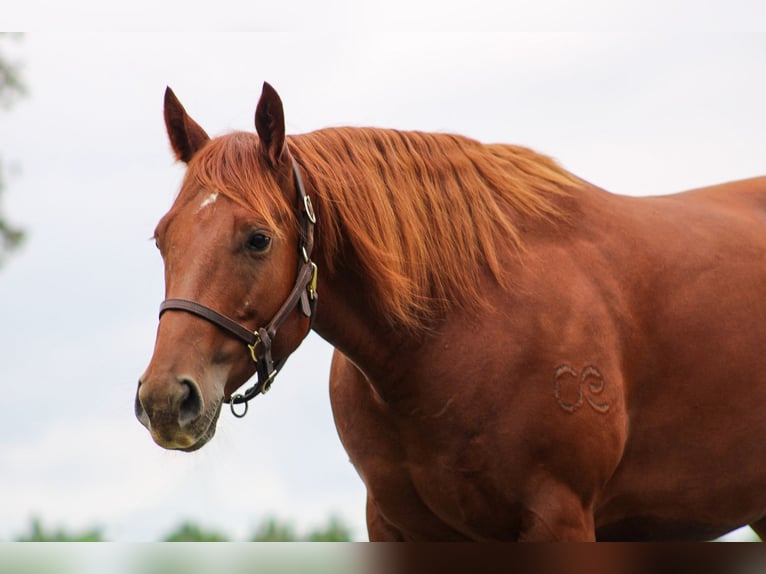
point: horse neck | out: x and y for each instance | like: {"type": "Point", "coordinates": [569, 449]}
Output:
{"type": "Point", "coordinates": [356, 313]}
{"type": "Point", "coordinates": [347, 319]}
{"type": "Point", "coordinates": [347, 315]}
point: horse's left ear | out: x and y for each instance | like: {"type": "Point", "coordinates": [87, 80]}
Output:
{"type": "Point", "coordinates": [270, 123]}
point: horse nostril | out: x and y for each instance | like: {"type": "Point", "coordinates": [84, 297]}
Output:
{"type": "Point", "coordinates": [190, 407]}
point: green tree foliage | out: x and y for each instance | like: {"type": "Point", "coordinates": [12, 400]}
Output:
{"type": "Point", "coordinates": [273, 530]}
{"type": "Point", "coordinates": [269, 530]}
{"type": "Point", "coordinates": [335, 531]}
{"type": "Point", "coordinates": [11, 88]}
{"type": "Point", "coordinates": [192, 532]}
{"type": "Point", "coordinates": [11, 84]}
{"type": "Point", "coordinates": [38, 533]}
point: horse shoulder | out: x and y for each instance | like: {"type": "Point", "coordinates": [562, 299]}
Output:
{"type": "Point", "coordinates": [372, 439]}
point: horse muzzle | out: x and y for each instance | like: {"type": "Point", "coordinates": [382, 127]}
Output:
{"type": "Point", "coordinates": [175, 413]}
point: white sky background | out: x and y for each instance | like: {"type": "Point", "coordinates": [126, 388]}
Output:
{"type": "Point", "coordinates": [638, 97]}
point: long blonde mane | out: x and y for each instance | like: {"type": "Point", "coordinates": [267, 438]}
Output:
{"type": "Point", "coordinates": [423, 215]}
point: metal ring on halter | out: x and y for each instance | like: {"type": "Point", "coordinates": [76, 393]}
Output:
{"type": "Point", "coordinates": [309, 209]}
{"type": "Point", "coordinates": [233, 411]}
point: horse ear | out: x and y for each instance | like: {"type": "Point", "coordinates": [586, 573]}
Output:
{"type": "Point", "coordinates": [270, 123]}
{"type": "Point", "coordinates": [186, 136]}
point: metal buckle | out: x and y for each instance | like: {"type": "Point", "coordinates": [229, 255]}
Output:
{"type": "Point", "coordinates": [313, 282]}
{"type": "Point", "coordinates": [253, 346]}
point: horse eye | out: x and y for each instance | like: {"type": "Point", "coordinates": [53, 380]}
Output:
{"type": "Point", "coordinates": [258, 242]}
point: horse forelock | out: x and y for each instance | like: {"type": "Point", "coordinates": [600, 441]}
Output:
{"type": "Point", "coordinates": [423, 214]}
{"type": "Point", "coordinates": [234, 166]}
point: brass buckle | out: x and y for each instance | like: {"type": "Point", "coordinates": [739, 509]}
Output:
{"type": "Point", "coordinates": [253, 346]}
{"type": "Point", "coordinates": [313, 282]}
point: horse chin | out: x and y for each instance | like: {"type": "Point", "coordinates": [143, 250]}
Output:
{"type": "Point", "coordinates": [197, 445]}
{"type": "Point", "coordinates": [210, 432]}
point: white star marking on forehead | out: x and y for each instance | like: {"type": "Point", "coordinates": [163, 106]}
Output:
{"type": "Point", "coordinates": [207, 201]}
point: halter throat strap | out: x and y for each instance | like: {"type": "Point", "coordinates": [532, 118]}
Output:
{"type": "Point", "coordinates": [303, 296]}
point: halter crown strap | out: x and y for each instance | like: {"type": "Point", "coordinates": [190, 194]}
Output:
{"type": "Point", "coordinates": [303, 295]}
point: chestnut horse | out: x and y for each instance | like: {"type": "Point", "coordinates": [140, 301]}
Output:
{"type": "Point", "coordinates": [520, 355]}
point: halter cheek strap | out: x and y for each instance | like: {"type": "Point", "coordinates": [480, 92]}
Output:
{"type": "Point", "coordinates": [303, 296]}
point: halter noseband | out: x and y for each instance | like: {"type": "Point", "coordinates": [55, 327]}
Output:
{"type": "Point", "coordinates": [303, 296]}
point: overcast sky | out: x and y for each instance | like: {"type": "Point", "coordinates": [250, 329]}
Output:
{"type": "Point", "coordinates": [640, 98]}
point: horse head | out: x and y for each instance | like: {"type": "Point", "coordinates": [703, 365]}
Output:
{"type": "Point", "coordinates": [231, 244]}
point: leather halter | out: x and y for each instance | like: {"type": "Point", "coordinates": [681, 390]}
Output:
{"type": "Point", "coordinates": [303, 296]}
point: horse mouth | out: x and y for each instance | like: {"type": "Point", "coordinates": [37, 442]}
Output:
{"type": "Point", "coordinates": [187, 439]}
{"type": "Point", "coordinates": [211, 421]}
